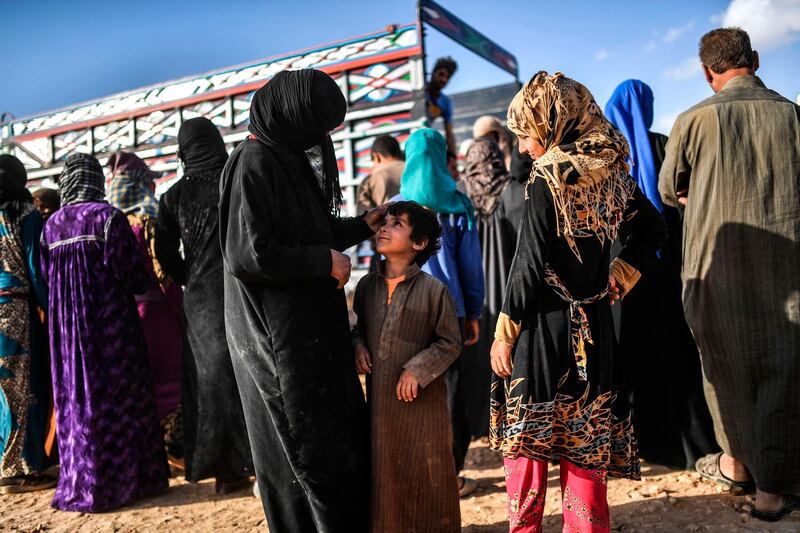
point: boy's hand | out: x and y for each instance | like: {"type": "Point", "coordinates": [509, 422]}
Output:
{"type": "Point", "coordinates": [407, 387]}
{"type": "Point", "coordinates": [472, 330]}
{"type": "Point", "coordinates": [363, 360]}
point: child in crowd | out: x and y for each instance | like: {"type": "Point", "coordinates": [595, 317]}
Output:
{"type": "Point", "coordinates": [406, 337]}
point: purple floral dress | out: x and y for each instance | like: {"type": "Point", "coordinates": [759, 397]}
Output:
{"type": "Point", "coordinates": [109, 438]}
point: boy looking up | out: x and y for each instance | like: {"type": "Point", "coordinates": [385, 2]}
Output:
{"type": "Point", "coordinates": [406, 337]}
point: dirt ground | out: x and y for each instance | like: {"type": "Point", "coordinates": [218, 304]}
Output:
{"type": "Point", "coordinates": [664, 500]}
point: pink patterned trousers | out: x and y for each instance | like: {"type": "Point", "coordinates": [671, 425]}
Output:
{"type": "Point", "coordinates": [584, 502]}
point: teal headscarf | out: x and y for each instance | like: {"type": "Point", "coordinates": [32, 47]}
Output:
{"type": "Point", "coordinates": [426, 179]}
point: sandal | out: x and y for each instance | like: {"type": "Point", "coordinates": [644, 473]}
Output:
{"type": "Point", "coordinates": [708, 467]}
{"type": "Point", "coordinates": [791, 503]}
{"type": "Point", "coordinates": [233, 484]}
{"type": "Point", "coordinates": [468, 486]}
{"type": "Point", "coordinates": [27, 483]}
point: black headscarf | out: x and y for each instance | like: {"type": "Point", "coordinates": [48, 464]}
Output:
{"type": "Point", "coordinates": [200, 146]}
{"type": "Point", "coordinates": [13, 177]}
{"type": "Point", "coordinates": [294, 112]}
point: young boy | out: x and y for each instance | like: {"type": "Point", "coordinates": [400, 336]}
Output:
{"type": "Point", "coordinates": [406, 337]}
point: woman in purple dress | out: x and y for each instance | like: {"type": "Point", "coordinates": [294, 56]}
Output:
{"type": "Point", "coordinates": [132, 191]}
{"type": "Point", "coordinates": [109, 440]}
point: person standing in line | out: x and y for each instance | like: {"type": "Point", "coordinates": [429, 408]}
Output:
{"type": "Point", "coordinates": [406, 337]}
{"type": "Point", "coordinates": [132, 191]}
{"type": "Point", "coordinates": [437, 104]}
{"type": "Point", "coordinates": [387, 168]}
{"type": "Point", "coordinates": [733, 161]}
{"type": "Point", "coordinates": [46, 202]}
{"type": "Point", "coordinates": [24, 368]}
{"type": "Point", "coordinates": [557, 392]}
{"type": "Point", "coordinates": [496, 196]}
{"type": "Point", "coordinates": [427, 181]}
{"type": "Point", "coordinates": [285, 311]}
{"type": "Point", "coordinates": [678, 432]}
{"type": "Point", "coordinates": [214, 431]}
{"type": "Point", "coordinates": [109, 439]}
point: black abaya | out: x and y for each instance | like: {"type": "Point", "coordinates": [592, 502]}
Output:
{"type": "Point", "coordinates": [287, 323]}
{"type": "Point", "coordinates": [498, 237]}
{"type": "Point", "coordinates": [670, 414]}
{"type": "Point", "coordinates": [215, 435]}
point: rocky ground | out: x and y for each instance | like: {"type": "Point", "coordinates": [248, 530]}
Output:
{"type": "Point", "coordinates": [664, 500]}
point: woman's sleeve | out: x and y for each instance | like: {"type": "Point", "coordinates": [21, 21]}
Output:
{"type": "Point", "coordinates": [44, 257]}
{"type": "Point", "coordinates": [646, 232]}
{"type": "Point", "coordinates": [359, 333]}
{"type": "Point", "coordinates": [168, 241]}
{"type": "Point", "coordinates": [434, 360]}
{"type": "Point", "coordinates": [251, 251]}
{"type": "Point", "coordinates": [527, 269]}
{"type": "Point", "coordinates": [123, 254]}
{"type": "Point", "coordinates": [349, 231]}
{"type": "Point", "coordinates": [31, 235]}
{"type": "Point", "coordinates": [470, 270]}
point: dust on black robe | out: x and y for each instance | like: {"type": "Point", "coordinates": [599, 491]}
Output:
{"type": "Point", "coordinates": [287, 323]}
{"type": "Point", "coordinates": [215, 434]}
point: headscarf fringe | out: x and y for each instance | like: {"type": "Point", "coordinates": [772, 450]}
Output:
{"type": "Point", "coordinates": [584, 161]}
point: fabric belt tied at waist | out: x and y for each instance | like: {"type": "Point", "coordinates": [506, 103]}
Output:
{"type": "Point", "coordinates": [580, 333]}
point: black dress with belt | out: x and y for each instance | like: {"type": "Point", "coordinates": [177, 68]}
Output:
{"type": "Point", "coordinates": [554, 404]}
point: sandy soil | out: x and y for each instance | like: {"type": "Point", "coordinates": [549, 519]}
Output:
{"type": "Point", "coordinates": [664, 500]}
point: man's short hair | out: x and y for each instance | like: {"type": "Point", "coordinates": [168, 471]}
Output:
{"type": "Point", "coordinates": [424, 225]}
{"type": "Point", "coordinates": [447, 63]}
{"type": "Point", "coordinates": [726, 48]}
{"type": "Point", "coordinates": [387, 145]}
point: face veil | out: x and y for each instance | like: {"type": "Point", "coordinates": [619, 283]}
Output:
{"type": "Point", "coordinates": [295, 112]}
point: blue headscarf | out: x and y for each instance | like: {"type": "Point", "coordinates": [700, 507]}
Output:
{"type": "Point", "coordinates": [426, 179]}
{"type": "Point", "coordinates": [630, 109]}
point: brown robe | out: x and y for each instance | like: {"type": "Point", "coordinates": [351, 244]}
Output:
{"type": "Point", "coordinates": [413, 485]}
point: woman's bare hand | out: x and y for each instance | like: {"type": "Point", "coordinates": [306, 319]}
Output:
{"type": "Point", "coordinates": [340, 268]}
{"type": "Point", "coordinates": [501, 359]}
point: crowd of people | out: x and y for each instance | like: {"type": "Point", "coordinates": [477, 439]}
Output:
{"type": "Point", "coordinates": [208, 330]}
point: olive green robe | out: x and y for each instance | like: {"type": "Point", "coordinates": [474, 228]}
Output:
{"type": "Point", "coordinates": [736, 156]}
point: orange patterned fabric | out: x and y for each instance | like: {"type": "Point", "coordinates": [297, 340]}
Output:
{"type": "Point", "coordinates": [576, 429]}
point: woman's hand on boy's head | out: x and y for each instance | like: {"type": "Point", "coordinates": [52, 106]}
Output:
{"type": "Point", "coordinates": [375, 217]}
{"type": "Point", "coordinates": [407, 387]}
{"type": "Point", "coordinates": [363, 360]}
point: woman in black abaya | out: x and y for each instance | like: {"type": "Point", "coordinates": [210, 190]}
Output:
{"type": "Point", "coordinates": [499, 198]}
{"type": "Point", "coordinates": [286, 316]}
{"type": "Point", "coordinates": [215, 435]}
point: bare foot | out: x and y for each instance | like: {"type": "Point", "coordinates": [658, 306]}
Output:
{"type": "Point", "coordinates": [733, 469]}
{"type": "Point", "coordinates": [769, 502]}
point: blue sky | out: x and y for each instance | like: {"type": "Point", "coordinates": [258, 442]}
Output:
{"type": "Point", "coordinates": [55, 54]}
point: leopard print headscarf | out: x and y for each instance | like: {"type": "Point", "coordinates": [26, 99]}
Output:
{"type": "Point", "coordinates": [584, 160]}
